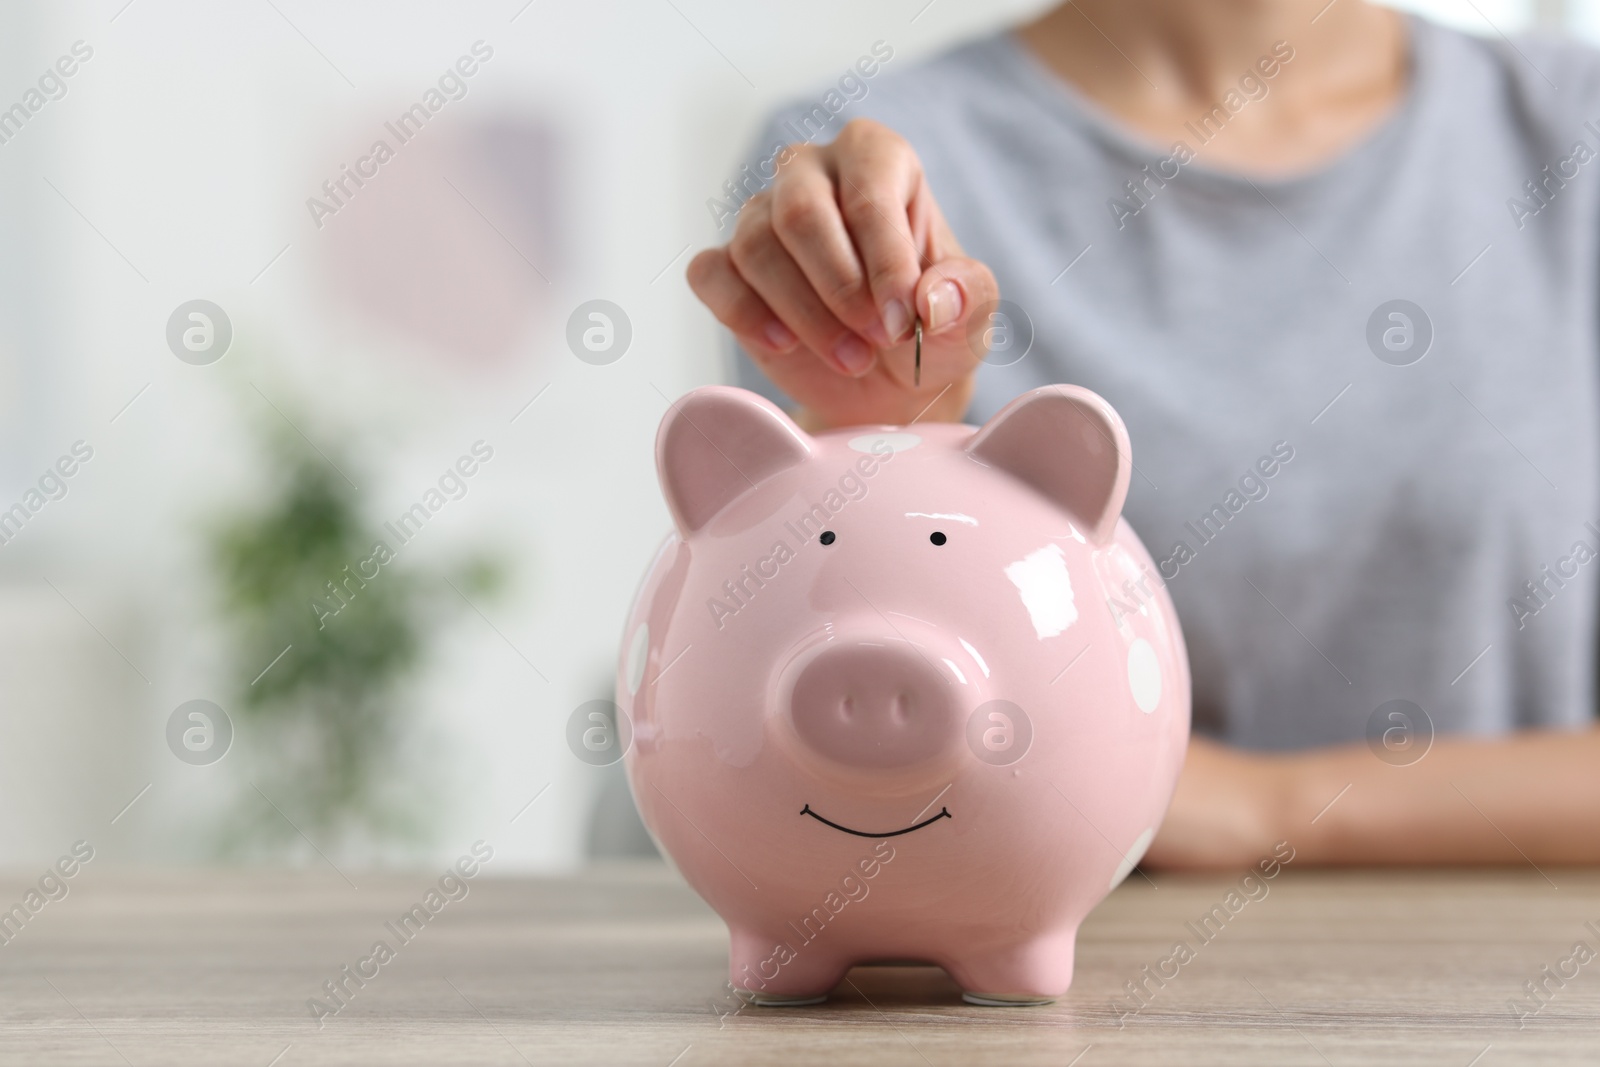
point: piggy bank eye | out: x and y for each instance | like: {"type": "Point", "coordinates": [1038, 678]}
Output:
{"type": "Point", "coordinates": [937, 538]}
{"type": "Point", "coordinates": [827, 537]}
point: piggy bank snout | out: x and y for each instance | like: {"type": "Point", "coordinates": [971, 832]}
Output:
{"type": "Point", "coordinates": [873, 706]}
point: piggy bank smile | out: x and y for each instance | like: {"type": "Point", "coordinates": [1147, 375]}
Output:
{"type": "Point", "coordinates": [944, 813]}
{"type": "Point", "coordinates": [901, 695]}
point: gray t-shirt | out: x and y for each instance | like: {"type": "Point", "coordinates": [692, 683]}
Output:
{"type": "Point", "coordinates": [1242, 326]}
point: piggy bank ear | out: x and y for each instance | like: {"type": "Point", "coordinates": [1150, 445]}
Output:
{"type": "Point", "coordinates": [1067, 443]}
{"type": "Point", "coordinates": [718, 442]}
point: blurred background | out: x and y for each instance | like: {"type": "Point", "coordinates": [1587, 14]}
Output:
{"type": "Point", "coordinates": [257, 366]}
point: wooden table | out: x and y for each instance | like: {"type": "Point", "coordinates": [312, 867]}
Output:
{"type": "Point", "coordinates": [624, 965]}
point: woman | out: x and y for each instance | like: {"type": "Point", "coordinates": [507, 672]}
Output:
{"type": "Point", "coordinates": [1326, 240]}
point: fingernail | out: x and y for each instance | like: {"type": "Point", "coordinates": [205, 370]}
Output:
{"type": "Point", "coordinates": [780, 336]}
{"type": "Point", "coordinates": [896, 317]}
{"type": "Point", "coordinates": [944, 305]}
{"type": "Point", "coordinates": [853, 354]}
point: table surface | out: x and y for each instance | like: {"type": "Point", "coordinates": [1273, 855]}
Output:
{"type": "Point", "coordinates": [625, 965]}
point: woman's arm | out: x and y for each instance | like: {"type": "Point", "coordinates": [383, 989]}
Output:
{"type": "Point", "coordinates": [1532, 798]}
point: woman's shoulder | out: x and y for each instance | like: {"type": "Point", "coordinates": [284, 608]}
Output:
{"type": "Point", "coordinates": [1549, 82]}
{"type": "Point", "coordinates": [923, 94]}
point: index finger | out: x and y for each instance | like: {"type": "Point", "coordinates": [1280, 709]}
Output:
{"type": "Point", "coordinates": [881, 191]}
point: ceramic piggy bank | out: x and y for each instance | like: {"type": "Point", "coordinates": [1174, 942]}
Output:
{"type": "Point", "coordinates": [902, 694]}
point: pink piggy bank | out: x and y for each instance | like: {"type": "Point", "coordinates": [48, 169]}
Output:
{"type": "Point", "coordinates": [902, 693]}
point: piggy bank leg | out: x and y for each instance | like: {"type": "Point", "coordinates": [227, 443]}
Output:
{"type": "Point", "coordinates": [1033, 972]}
{"type": "Point", "coordinates": [776, 973]}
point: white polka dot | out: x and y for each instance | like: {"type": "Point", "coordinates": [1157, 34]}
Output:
{"type": "Point", "coordinates": [1131, 858]}
{"type": "Point", "coordinates": [1144, 675]}
{"type": "Point", "coordinates": [637, 653]}
{"type": "Point", "coordinates": [877, 442]}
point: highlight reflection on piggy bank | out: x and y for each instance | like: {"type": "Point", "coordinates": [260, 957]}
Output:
{"type": "Point", "coordinates": [902, 694]}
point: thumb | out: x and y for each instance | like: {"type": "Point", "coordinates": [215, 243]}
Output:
{"type": "Point", "coordinates": [950, 295]}
{"type": "Point", "coordinates": [949, 292]}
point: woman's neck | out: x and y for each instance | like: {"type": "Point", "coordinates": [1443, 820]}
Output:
{"type": "Point", "coordinates": [1157, 65]}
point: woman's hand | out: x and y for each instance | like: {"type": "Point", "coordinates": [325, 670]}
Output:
{"type": "Point", "coordinates": [1528, 799]}
{"type": "Point", "coordinates": [828, 268]}
{"type": "Point", "coordinates": [1224, 812]}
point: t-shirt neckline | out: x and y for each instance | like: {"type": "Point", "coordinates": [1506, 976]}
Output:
{"type": "Point", "coordinates": [1065, 100]}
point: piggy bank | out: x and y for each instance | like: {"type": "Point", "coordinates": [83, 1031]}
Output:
{"type": "Point", "coordinates": [901, 694]}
